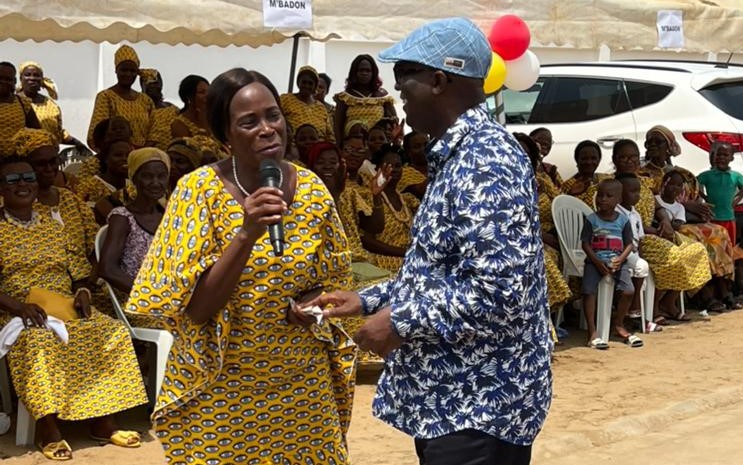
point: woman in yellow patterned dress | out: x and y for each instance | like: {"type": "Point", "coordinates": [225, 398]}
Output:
{"type": "Point", "coordinates": [16, 111]}
{"type": "Point", "coordinates": [111, 179]}
{"type": "Point", "coordinates": [415, 171]}
{"type": "Point", "coordinates": [46, 108]}
{"type": "Point", "coordinates": [582, 185]}
{"type": "Point", "coordinates": [660, 147]}
{"type": "Point", "coordinates": [164, 113]}
{"type": "Point", "coordinates": [677, 262]}
{"type": "Point", "coordinates": [251, 377]}
{"type": "Point", "coordinates": [120, 99]}
{"type": "Point", "coordinates": [191, 119]}
{"type": "Point", "coordinates": [364, 99]}
{"type": "Point", "coordinates": [302, 108]}
{"type": "Point", "coordinates": [93, 375]}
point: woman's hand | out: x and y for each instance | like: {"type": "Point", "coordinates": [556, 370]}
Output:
{"type": "Point", "coordinates": [82, 302]}
{"type": "Point", "coordinates": [665, 229]}
{"type": "Point", "coordinates": [31, 314]}
{"type": "Point", "coordinates": [699, 208]}
{"type": "Point", "coordinates": [262, 208]}
{"type": "Point", "coordinates": [296, 314]}
{"type": "Point", "coordinates": [381, 179]}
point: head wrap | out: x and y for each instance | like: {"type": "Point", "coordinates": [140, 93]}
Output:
{"type": "Point", "coordinates": [125, 53]}
{"type": "Point", "coordinates": [317, 149]}
{"type": "Point", "coordinates": [46, 83]}
{"type": "Point", "coordinates": [667, 134]}
{"type": "Point", "coordinates": [351, 124]}
{"type": "Point", "coordinates": [310, 70]}
{"type": "Point", "coordinates": [189, 148]}
{"type": "Point", "coordinates": [149, 75]}
{"type": "Point", "coordinates": [26, 140]}
{"type": "Point", "coordinates": [209, 144]}
{"type": "Point", "coordinates": [139, 157]}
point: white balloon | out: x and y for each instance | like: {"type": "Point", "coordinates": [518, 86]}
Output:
{"type": "Point", "coordinates": [522, 72]}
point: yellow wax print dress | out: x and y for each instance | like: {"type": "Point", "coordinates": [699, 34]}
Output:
{"type": "Point", "coordinates": [410, 177]}
{"type": "Point", "coordinates": [138, 112]}
{"type": "Point", "coordinates": [96, 372]}
{"type": "Point", "coordinates": [93, 188]}
{"type": "Point", "coordinates": [558, 291]}
{"type": "Point", "coordinates": [12, 118]}
{"type": "Point", "coordinates": [247, 386]}
{"type": "Point", "coordinates": [396, 230]}
{"type": "Point", "coordinates": [160, 133]}
{"type": "Point", "coordinates": [587, 195]}
{"type": "Point", "coordinates": [298, 113]}
{"type": "Point", "coordinates": [367, 109]}
{"type": "Point", "coordinates": [713, 236]}
{"type": "Point", "coordinates": [50, 117]}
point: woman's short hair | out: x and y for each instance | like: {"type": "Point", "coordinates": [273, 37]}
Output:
{"type": "Point", "coordinates": [532, 147]}
{"type": "Point", "coordinates": [351, 82]}
{"type": "Point", "coordinates": [583, 144]}
{"type": "Point", "coordinates": [221, 92]}
{"type": "Point", "coordinates": [378, 156]}
{"type": "Point", "coordinates": [327, 80]}
{"type": "Point", "coordinates": [620, 144]}
{"type": "Point", "coordinates": [188, 86]}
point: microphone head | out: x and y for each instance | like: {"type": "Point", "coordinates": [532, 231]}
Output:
{"type": "Point", "coordinates": [269, 169]}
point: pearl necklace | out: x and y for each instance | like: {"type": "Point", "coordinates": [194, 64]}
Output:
{"type": "Point", "coordinates": [403, 215]}
{"type": "Point", "coordinates": [237, 180]}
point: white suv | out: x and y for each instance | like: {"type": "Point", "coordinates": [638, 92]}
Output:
{"type": "Point", "coordinates": [607, 101]}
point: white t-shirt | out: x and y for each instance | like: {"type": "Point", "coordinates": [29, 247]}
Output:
{"type": "Point", "coordinates": [635, 221]}
{"type": "Point", "coordinates": [675, 209]}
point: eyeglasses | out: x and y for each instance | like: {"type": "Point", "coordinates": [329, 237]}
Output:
{"type": "Point", "coordinates": [655, 141]}
{"type": "Point", "coordinates": [15, 178]}
{"type": "Point", "coordinates": [404, 72]}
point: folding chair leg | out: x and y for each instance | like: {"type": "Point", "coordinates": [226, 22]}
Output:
{"type": "Point", "coordinates": [603, 307]}
{"type": "Point", "coordinates": [25, 427]}
{"type": "Point", "coordinates": [681, 304]}
{"type": "Point", "coordinates": [5, 387]}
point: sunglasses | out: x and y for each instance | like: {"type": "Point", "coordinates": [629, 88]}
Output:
{"type": "Point", "coordinates": [15, 178]}
{"type": "Point", "coordinates": [402, 72]}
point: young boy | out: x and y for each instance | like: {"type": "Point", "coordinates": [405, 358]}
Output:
{"type": "Point", "coordinates": [607, 241]}
{"type": "Point", "coordinates": [722, 187]}
{"type": "Point", "coordinates": [639, 268]}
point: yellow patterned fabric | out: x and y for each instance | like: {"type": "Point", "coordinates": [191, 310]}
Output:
{"type": "Point", "coordinates": [229, 379]}
{"type": "Point", "coordinates": [716, 241]}
{"type": "Point", "coordinates": [645, 207]}
{"type": "Point", "coordinates": [558, 291]}
{"type": "Point", "coordinates": [193, 128]}
{"type": "Point", "coordinates": [680, 265]}
{"type": "Point", "coordinates": [77, 220]}
{"type": "Point", "coordinates": [410, 177]}
{"type": "Point", "coordinates": [96, 373]}
{"type": "Point", "coordinates": [367, 109]}
{"type": "Point", "coordinates": [138, 112]}
{"type": "Point", "coordinates": [125, 53]}
{"type": "Point", "coordinates": [298, 113]}
{"type": "Point", "coordinates": [46, 82]}
{"type": "Point", "coordinates": [587, 195]}
{"type": "Point", "coordinates": [691, 186]}
{"type": "Point", "coordinates": [353, 200]}
{"type": "Point", "coordinates": [93, 188]}
{"type": "Point", "coordinates": [396, 230]}
{"type": "Point", "coordinates": [50, 117]}
{"type": "Point", "coordinates": [547, 193]}
{"type": "Point", "coordinates": [12, 118]}
{"type": "Point", "coordinates": [160, 134]}
{"type": "Point", "coordinates": [26, 140]}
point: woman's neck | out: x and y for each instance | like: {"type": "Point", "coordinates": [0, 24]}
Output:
{"type": "Point", "coordinates": [585, 175]}
{"type": "Point", "coordinates": [141, 204]}
{"type": "Point", "coordinates": [305, 98]}
{"type": "Point", "coordinates": [48, 195]}
{"type": "Point", "coordinates": [116, 181]}
{"type": "Point", "coordinates": [23, 214]}
{"type": "Point", "coordinates": [122, 89]}
{"type": "Point", "coordinates": [33, 95]}
{"type": "Point", "coordinates": [363, 89]}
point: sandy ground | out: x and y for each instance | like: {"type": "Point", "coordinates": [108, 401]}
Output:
{"type": "Point", "coordinates": [680, 396]}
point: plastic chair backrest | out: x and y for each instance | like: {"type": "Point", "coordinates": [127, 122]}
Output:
{"type": "Point", "coordinates": [100, 238]}
{"type": "Point", "coordinates": [568, 214]}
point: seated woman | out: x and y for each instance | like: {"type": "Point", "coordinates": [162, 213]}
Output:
{"type": "Point", "coordinates": [191, 119]}
{"type": "Point", "coordinates": [151, 82]}
{"type": "Point", "coordinates": [95, 374]}
{"type": "Point", "coordinates": [660, 147]}
{"type": "Point", "coordinates": [302, 108]}
{"type": "Point", "coordinates": [390, 240]}
{"type": "Point", "coordinates": [305, 137]}
{"type": "Point", "coordinates": [678, 263]}
{"type": "Point", "coordinates": [115, 128]}
{"type": "Point", "coordinates": [185, 156]}
{"type": "Point", "coordinates": [415, 171]}
{"type": "Point", "coordinates": [543, 137]}
{"type": "Point", "coordinates": [100, 191]}
{"type": "Point", "coordinates": [325, 161]}
{"type": "Point", "coordinates": [587, 157]}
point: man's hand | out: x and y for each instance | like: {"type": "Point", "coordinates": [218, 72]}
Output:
{"type": "Point", "coordinates": [377, 335]}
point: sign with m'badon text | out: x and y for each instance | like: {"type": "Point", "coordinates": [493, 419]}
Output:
{"type": "Point", "coordinates": [287, 14]}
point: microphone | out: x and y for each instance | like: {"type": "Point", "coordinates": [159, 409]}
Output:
{"type": "Point", "coordinates": [271, 177]}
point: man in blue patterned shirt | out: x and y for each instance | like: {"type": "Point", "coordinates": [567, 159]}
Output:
{"type": "Point", "coordinates": [464, 326]}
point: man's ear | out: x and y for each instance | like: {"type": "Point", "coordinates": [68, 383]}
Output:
{"type": "Point", "coordinates": [440, 82]}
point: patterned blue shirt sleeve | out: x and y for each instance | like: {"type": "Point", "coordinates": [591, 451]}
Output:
{"type": "Point", "coordinates": [375, 297]}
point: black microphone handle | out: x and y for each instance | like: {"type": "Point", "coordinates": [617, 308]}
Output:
{"type": "Point", "coordinates": [276, 230]}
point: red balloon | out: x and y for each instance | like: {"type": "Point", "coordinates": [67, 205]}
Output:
{"type": "Point", "coordinates": [509, 37]}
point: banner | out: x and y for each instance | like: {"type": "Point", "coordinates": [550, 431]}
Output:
{"type": "Point", "coordinates": [670, 29]}
{"type": "Point", "coordinates": [287, 14]}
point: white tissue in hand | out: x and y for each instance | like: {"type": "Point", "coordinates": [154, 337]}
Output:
{"type": "Point", "coordinates": [314, 311]}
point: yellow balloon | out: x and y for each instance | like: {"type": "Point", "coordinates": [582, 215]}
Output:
{"type": "Point", "coordinates": [496, 75]}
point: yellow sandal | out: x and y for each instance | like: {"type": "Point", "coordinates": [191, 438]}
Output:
{"type": "Point", "coordinates": [121, 438]}
{"type": "Point", "coordinates": [50, 450]}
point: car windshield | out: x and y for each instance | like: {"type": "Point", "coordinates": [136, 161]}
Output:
{"type": "Point", "coordinates": [728, 97]}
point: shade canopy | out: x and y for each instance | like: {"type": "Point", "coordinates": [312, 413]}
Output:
{"type": "Point", "coordinates": [709, 25]}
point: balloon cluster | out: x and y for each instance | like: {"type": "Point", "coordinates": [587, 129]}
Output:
{"type": "Point", "coordinates": [513, 64]}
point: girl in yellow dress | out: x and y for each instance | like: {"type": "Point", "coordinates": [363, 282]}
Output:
{"type": "Point", "coordinates": [120, 99]}
{"type": "Point", "coordinates": [587, 157]}
{"type": "Point", "coordinates": [363, 99]}
{"type": "Point", "coordinates": [302, 108]}
{"type": "Point", "coordinates": [93, 375]}
{"type": "Point", "coordinates": [415, 171]}
{"type": "Point", "coordinates": [251, 377]}
{"type": "Point", "coordinates": [46, 108]}
{"type": "Point", "coordinates": [16, 111]}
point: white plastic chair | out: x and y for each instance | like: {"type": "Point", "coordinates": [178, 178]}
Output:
{"type": "Point", "coordinates": [5, 387]}
{"type": "Point", "coordinates": [162, 339]}
{"type": "Point", "coordinates": [568, 214]}
{"type": "Point", "coordinates": [25, 428]}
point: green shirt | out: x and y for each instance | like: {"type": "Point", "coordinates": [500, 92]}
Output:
{"type": "Point", "coordinates": [721, 187]}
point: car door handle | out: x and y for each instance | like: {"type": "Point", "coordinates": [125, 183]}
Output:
{"type": "Point", "coordinates": [608, 141]}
